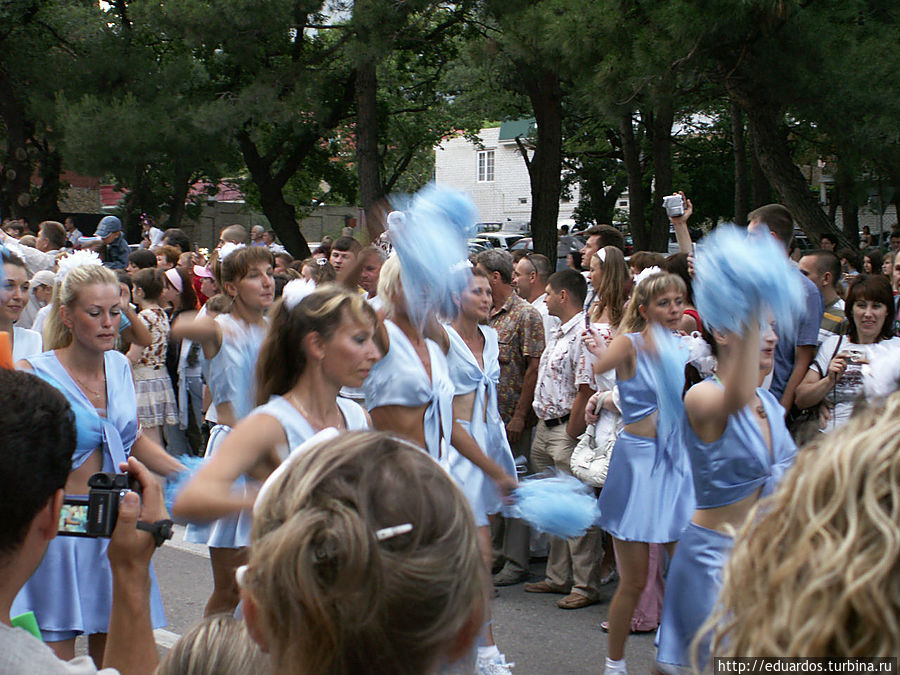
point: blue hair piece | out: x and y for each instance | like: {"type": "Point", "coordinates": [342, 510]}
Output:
{"type": "Point", "coordinates": [668, 365]}
{"type": "Point", "coordinates": [738, 278]}
{"type": "Point", "coordinates": [562, 506]}
{"type": "Point", "coordinates": [175, 484]}
{"type": "Point", "coordinates": [431, 244]}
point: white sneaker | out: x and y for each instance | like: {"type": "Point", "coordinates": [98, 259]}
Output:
{"type": "Point", "coordinates": [493, 666]}
{"type": "Point", "coordinates": [615, 667]}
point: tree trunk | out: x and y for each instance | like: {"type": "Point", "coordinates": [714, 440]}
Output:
{"type": "Point", "coordinates": [760, 190]}
{"type": "Point", "coordinates": [849, 208]}
{"type": "Point", "coordinates": [179, 196]}
{"type": "Point", "coordinates": [740, 164]}
{"type": "Point", "coordinates": [637, 202]}
{"type": "Point", "coordinates": [659, 124]}
{"type": "Point", "coordinates": [282, 216]}
{"type": "Point", "coordinates": [545, 167]}
{"type": "Point", "coordinates": [784, 176]}
{"type": "Point", "coordinates": [370, 190]}
{"type": "Point", "coordinates": [15, 181]}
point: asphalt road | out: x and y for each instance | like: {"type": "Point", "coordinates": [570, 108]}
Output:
{"type": "Point", "coordinates": [530, 629]}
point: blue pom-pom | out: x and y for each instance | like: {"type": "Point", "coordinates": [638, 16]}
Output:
{"type": "Point", "coordinates": [431, 243]}
{"type": "Point", "coordinates": [562, 506]}
{"type": "Point", "coordinates": [175, 483]}
{"type": "Point", "coordinates": [738, 278]}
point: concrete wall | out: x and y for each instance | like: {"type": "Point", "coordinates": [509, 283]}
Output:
{"type": "Point", "coordinates": [325, 220]}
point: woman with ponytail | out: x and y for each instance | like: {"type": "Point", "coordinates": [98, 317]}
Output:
{"type": "Point", "coordinates": [231, 343]}
{"type": "Point", "coordinates": [317, 343]}
{"type": "Point", "coordinates": [648, 496]}
{"type": "Point", "coordinates": [363, 561]}
{"type": "Point", "coordinates": [71, 591]}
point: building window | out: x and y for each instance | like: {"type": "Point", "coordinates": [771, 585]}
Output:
{"type": "Point", "coordinates": [523, 200]}
{"type": "Point", "coordinates": [485, 166]}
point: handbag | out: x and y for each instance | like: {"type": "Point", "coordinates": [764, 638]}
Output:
{"type": "Point", "coordinates": [590, 458]}
{"type": "Point", "coordinates": [803, 425]}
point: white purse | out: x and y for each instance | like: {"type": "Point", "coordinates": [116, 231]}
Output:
{"type": "Point", "coordinates": [590, 458]}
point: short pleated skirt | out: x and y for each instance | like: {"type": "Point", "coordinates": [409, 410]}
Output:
{"type": "Point", "coordinates": [71, 592]}
{"type": "Point", "coordinates": [644, 499]}
{"type": "Point", "coordinates": [156, 405]}
{"type": "Point", "coordinates": [692, 587]}
{"type": "Point", "coordinates": [231, 531]}
{"type": "Point", "coordinates": [479, 489]}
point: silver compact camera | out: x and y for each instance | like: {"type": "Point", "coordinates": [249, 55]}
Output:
{"type": "Point", "coordinates": [674, 205]}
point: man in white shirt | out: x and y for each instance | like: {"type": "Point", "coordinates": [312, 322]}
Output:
{"type": "Point", "coordinates": [38, 438]}
{"type": "Point", "coordinates": [51, 242]}
{"type": "Point", "coordinates": [73, 234]}
{"type": "Point", "coordinates": [530, 281]}
{"type": "Point", "coordinates": [564, 385]}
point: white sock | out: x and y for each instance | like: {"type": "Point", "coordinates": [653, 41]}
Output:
{"type": "Point", "coordinates": [615, 667]}
{"type": "Point", "coordinates": [490, 652]}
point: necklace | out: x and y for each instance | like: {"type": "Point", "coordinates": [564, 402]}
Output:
{"type": "Point", "coordinates": [94, 394]}
{"type": "Point", "coordinates": [323, 423]}
{"type": "Point", "coordinates": [758, 407]}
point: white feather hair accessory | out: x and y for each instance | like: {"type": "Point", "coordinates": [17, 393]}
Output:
{"type": "Point", "coordinates": [294, 291]}
{"type": "Point", "coordinates": [643, 274]}
{"type": "Point", "coordinates": [75, 259]}
{"type": "Point", "coordinates": [229, 248]}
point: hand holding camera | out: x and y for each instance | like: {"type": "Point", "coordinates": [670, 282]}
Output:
{"type": "Point", "coordinates": [118, 506]}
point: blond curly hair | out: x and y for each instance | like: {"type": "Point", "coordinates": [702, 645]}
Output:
{"type": "Point", "coordinates": [816, 569]}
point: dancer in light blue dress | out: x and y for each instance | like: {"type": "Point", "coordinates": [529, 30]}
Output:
{"type": "Point", "coordinates": [648, 495]}
{"type": "Point", "coordinates": [739, 449]}
{"type": "Point", "coordinates": [474, 364]}
{"type": "Point", "coordinates": [318, 342]}
{"type": "Point", "coordinates": [71, 591]}
{"type": "Point", "coordinates": [475, 379]}
{"type": "Point", "coordinates": [231, 344]}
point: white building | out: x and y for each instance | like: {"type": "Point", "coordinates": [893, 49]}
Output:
{"type": "Point", "coordinates": [494, 174]}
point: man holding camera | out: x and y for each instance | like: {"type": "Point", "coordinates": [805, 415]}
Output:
{"type": "Point", "coordinates": [38, 438]}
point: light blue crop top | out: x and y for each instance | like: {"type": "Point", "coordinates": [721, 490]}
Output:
{"type": "Point", "coordinates": [232, 371]}
{"type": "Point", "coordinates": [400, 379]}
{"type": "Point", "coordinates": [738, 463]}
{"type": "Point", "coordinates": [298, 430]}
{"type": "Point", "coordinates": [116, 432]}
{"type": "Point", "coordinates": [467, 375]}
{"type": "Point", "coordinates": [637, 395]}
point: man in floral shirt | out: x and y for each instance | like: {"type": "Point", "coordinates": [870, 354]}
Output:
{"type": "Point", "coordinates": [520, 332]}
{"type": "Point", "coordinates": [565, 383]}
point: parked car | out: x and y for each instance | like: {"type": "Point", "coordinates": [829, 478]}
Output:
{"type": "Point", "coordinates": [501, 239]}
{"type": "Point", "coordinates": [525, 243]}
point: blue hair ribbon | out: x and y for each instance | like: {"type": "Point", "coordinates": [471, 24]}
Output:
{"type": "Point", "coordinates": [431, 243]}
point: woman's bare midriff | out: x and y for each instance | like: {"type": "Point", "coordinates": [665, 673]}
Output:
{"type": "Point", "coordinates": [645, 427]}
{"type": "Point", "coordinates": [76, 483]}
{"type": "Point", "coordinates": [726, 518]}
{"type": "Point", "coordinates": [464, 407]}
{"type": "Point", "coordinates": [402, 420]}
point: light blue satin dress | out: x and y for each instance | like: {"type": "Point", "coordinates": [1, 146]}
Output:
{"type": "Point", "coordinates": [298, 430]}
{"type": "Point", "coordinates": [71, 591]}
{"type": "Point", "coordinates": [649, 494]}
{"type": "Point", "coordinates": [231, 378]}
{"type": "Point", "coordinates": [485, 427]}
{"type": "Point", "coordinates": [400, 379]}
{"type": "Point", "coordinates": [736, 466]}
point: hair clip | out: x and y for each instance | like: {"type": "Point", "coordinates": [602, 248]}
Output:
{"type": "Point", "coordinates": [228, 248]}
{"type": "Point", "coordinates": [295, 290]}
{"type": "Point", "coordinates": [644, 274]}
{"type": "Point", "coordinates": [601, 254]}
{"type": "Point", "coordinates": [386, 533]}
{"type": "Point", "coordinates": [321, 262]}
{"type": "Point", "coordinates": [240, 575]}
